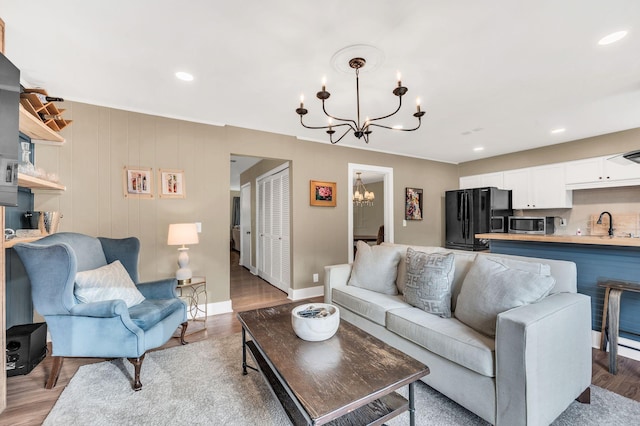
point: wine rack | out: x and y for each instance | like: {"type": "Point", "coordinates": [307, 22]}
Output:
{"type": "Point", "coordinates": [47, 112]}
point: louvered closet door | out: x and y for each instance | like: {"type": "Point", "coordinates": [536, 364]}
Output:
{"type": "Point", "coordinates": [273, 225]}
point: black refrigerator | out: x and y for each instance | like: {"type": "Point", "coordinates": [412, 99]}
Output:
{"type": "Point", "coordinates": [475, 211]}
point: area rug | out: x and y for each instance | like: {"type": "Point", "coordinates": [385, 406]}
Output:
{"type": "Point", "coordinates": [202, 384]}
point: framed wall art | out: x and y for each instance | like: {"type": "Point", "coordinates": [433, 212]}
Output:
{"type": "Point", "coordinates": [322, 194]}
{"type": "Point", "coordinates": [172, 184]}
{"type": "Point", "coordinates": [413, 204]}
{"type": "Point", "coordinates": [137, 182]}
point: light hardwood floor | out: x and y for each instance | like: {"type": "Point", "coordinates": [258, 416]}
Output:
{"type": "Point", "coordinates": [28, 403]}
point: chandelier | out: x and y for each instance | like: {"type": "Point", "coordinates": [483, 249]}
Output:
{"type": "Point", "coordinates": [360, 129]}
{"type": "Point", "coordinates": [362, 197]}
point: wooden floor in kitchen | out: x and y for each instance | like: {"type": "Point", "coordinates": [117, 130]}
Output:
{"type": "Point", "coordinates": [28, 403]}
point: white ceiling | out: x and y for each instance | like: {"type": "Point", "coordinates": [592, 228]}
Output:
{"type": "Point", "coordinates": [495, 73]}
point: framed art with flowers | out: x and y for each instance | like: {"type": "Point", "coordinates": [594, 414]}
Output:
{"type": "Point", "coordinates": [413, 204]}
{"type": "Point", "coordinates": [322, 194]}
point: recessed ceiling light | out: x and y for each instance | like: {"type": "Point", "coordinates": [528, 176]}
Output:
{"type": "Point", "coordinates": [558, 130]}
{"type": "Point", "coordinates": [478, 148]}
{"type": "Point", "coordinates": [612, 38]}
{"type": "Point", "coordinates": [184, 76]}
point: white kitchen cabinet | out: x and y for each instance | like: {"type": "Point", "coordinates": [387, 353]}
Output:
{"type": "Point", "coordinates": [601, 172]}
{"type": "Point", "coordinates": [538, 187]}
{"type": "Point", "coordinates": [479, 181]}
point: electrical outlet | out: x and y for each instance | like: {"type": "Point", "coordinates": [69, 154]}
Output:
{"type": "Point", "coordinates": [315, 278]}
{"type": "Point", "coordinates": [404, 222]}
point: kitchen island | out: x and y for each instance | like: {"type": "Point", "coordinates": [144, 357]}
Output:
{"type": "Point", "coordinates": [597, 258]}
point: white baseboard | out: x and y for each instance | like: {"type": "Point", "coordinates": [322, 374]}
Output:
{"type": "Point", "coordinates": [216, 308]}
{"type": "Point", "coordinates": [305, 293]}
{"type": "Point", "coordinates": [626, 347]}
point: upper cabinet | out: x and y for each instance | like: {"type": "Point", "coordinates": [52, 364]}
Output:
{"type": "Point", "coordinates": [480, 181]}
{"type": "Point", "coordinates": [538, 188]}
{"type": "Point", "coordinates": [601, 172]}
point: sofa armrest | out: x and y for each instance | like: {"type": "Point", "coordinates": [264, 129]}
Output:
{"type": "Point", "coordinates": [543, 358]}
{"type": "Point", "coordinates": [160, 289]}
{"type": "Point", "coordinates": [335, 275]}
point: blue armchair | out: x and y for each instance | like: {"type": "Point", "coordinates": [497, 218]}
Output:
{"type": "Point", "coordinates": [103, 329]}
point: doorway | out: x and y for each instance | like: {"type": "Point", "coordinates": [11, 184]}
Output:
{"type": "Point", "coordinates": [245, 225]}
{"type": "Point", "coordinates": [386, 173]}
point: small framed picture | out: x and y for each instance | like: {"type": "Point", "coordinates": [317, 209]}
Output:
{"type": "Point", "coordinates": [137, 182]}
{"type": "Point", "coordinates": [413, 204]}
{"type": "Point", "coordinates": [322, 194]}
{"type": "Point", "coordinates": [171, 183]}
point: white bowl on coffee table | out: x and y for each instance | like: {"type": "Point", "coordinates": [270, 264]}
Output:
{"type": "Point", "coordinates": [315, 329]}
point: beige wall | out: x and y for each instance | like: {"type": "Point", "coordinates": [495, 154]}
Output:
{"type": "Point", "coordinates": [621, 202]}
{"type": "Point", "coordinates": [101, 141]}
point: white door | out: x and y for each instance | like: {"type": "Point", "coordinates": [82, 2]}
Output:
{"type": "Point", "coordinates": [273, 254]}
{"type": "Point", "coordinates": [245, 225]}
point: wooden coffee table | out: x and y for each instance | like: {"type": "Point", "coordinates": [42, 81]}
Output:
{"type": "Point", "coordinates": [350, 378]}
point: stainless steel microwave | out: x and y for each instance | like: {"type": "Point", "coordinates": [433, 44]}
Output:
{"type": "Point", "coordinates": [531, 225]}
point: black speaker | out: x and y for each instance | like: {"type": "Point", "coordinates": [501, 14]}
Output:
{"type": "Point", "coordinates": [26, 347]}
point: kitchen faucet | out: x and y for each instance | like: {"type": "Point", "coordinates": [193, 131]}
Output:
{"type": "Point", "coordinates": [599, 222]}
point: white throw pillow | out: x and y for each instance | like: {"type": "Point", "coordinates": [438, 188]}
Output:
{"type": "Point", "coordinates": [491, 287]}
{"type": "Point", "coordinates": [375, 268]}
{"type": "Point", "coordinates": [108, 282]}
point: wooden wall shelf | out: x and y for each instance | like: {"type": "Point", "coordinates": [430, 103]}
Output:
{"type": "Point", "coordinates": [32, 182]}
{"type": "Point", "coordinates": [12, 242]}
{"type": "Point", "coordinates": [37, 130]}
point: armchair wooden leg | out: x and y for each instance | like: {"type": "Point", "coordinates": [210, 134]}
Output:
{"type": "Point", "coordinates": [585, 396]}
{"type": "Point", "coordinates": [55, 372]}
{"type": "Point", "coordinates": [184, 330]}
{"type": "Point", "coordinates": [137, 365]}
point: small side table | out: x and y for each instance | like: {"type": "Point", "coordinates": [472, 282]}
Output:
{"type": "Point", "coordinates": [611, 311]}
{"type": "Point", "coordinates": [195, 294]}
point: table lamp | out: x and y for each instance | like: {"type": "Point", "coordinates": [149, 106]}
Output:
{"type": "Point", "coordinates": [183, 234]}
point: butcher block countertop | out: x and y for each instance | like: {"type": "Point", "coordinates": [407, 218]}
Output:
{"type": "Point", "coordinates": [565, 239]}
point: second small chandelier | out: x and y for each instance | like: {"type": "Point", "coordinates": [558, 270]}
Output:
{"type": "Point", "coordinates": [360, 129]}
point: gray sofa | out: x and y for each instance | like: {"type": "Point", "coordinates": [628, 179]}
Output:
{"type": "Point", "coordinates": [537, 364]}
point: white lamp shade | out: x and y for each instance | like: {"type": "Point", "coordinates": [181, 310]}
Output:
{"type": "Point", "coordinates": [181, 234]}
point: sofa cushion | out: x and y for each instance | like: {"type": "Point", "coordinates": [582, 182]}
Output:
{"type": "Point", "coordinates": [446, 337]}
{"type": "Point", "coordinates": [429, 279]}
{"type": "Point", "coordinates": [150, 312]}
{"type": "Point", "coordinates": [375, 268]}
{"type": "Point", "coordinates": [366, 303]}
{"type": "Point", "coordinates": [493, 286]}
{"type": "Point", "coordinates": [108, 282]}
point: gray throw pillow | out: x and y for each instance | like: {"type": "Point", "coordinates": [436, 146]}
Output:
{"type": "Point", "coordinates": [428, 283]}
{"type": "Point", "coordinates": [491, 287]}
{"type": "Point", "coordinates": [375, 268]}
